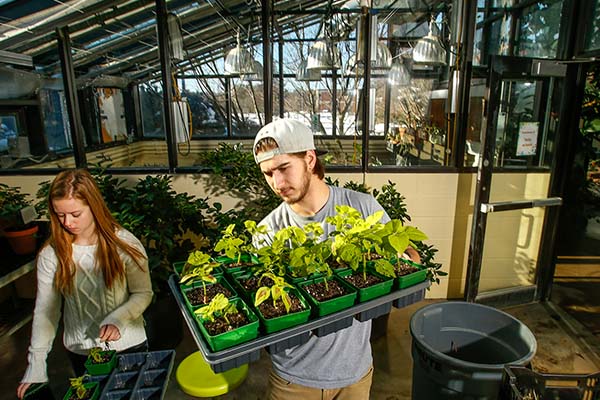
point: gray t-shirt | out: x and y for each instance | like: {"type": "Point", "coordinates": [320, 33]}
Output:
{"type": "Point", "coordinates": [341, 358]}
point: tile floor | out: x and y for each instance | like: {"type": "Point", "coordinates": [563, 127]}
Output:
{"type": "Point", "coordinates": [564, 346]}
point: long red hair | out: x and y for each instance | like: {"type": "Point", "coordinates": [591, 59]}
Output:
{"type": "Point", "coordinates": [79, 184]}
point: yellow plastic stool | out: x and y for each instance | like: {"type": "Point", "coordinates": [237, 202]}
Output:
{"type": "Point", "coordinates": [196, 378]}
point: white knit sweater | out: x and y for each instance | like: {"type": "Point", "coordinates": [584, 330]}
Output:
{"type": "Point", "coordinates": [90, 306]}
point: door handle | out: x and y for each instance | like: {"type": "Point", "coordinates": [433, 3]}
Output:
{"type": "Point", "coordinates": [487, 208]}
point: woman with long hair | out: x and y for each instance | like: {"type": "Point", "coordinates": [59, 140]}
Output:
{"type": "Point", "coordinates": [98, 269]}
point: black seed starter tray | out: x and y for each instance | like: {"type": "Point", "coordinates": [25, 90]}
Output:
{"type": "Point", "coordinates": [250, 351]}
{"type": "Point", "coordinates": [137, 376]}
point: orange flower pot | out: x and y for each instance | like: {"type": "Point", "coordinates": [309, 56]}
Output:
{"type": "Point", "coordinates": [22, 242]}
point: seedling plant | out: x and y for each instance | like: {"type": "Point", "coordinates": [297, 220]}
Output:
{"type": "Point", "coordinates": [236, 245]}
{"type": "Point", "coordinates": [355, 238]}
{"type": "Point", "coordinates": [310, 255]}
{"type": "Point", "coordinates": [78, 387]}
{"type": "Point", "coordinates": [219, 306]}
{"type": "Point", "coordinates": [199, 266]}
{"type": "Point", "coordinates": [275, 292]}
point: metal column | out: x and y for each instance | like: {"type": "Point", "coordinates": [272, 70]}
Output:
{"type": "Point", "coordinates": [167, 83]}
{"type": "Point", "coordinates": [267, 60]}
{"type": "Point", "coordinates": [366, 26]}
{"type": "Point", "coordinates": [68, 74]}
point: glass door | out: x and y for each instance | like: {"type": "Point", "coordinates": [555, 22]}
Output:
{"type": "Point", "coordinates": [515, 169]}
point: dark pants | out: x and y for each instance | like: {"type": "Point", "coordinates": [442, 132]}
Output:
{"type": "Point", "coordinates": [78, 361]}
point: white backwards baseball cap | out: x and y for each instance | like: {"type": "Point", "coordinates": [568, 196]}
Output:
{"type": "Point", "coordinates": [291, 136]}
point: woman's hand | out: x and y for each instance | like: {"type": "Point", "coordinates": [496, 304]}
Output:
{"type": "Point", "coordinates": [22, 388]}
{"type": "Point", "coordinates": [109, 333]}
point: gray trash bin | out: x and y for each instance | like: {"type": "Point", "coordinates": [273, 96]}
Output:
{"type": "Point", "coordinates": [460, 349]}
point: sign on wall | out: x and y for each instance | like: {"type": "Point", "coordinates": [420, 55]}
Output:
{"type": "Point", "coordinates": [527, 141]}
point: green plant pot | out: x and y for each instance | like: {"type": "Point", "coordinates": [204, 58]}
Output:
{"type": "Point", "coordinates": [185, 289]}
{"type": "Point", "coordinates": [226, 262]}
{"type": "Point", "coordinates": [321, 308]}
{"type": "Point", "coordinates": [235, 336]}
{"type": "Point", "coordinates": [276, 324]}
{"type": "Point", "coordinates": [102, 368]}
{"type": "Point", "coordinates": [370, 292]}
{"type": "Point", "coordinates": [90, 385]}
{"type": "Point", "coordinates": [296, 279]}
{"type": "Point", "coordinates": [404, 281]}
{"type": "Point", "coordinates": [237, 278]}
{"type": "Point", "coordinates": [178, 267]}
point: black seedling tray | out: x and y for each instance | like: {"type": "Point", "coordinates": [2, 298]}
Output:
{"type": "Point", "coordinates": [137, 376]}
{"type": "Point", "coordinates": [250, 351]}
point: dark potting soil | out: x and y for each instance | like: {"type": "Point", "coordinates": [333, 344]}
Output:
{"type": "Point", "coordinates": [251, 284]}
{"type": "Point", "coordinates": [337, 265]}
{"type": "Point", "coordinates": [88, 395]}
{"type": "Point", "coordinates": [402, 269]}
{"type": "Point", "coordinates": [104, 358]}
{"type": "Point", "coordinates": [220, 325]}
{"type": "Point", "coordinates": [268, 310]}
{"type": "Point", "coordinates": [357, 280]}
{"type": "Point", "coordinates": [196, 296]}
{"type": "Point", "coordinates": [321, 292]}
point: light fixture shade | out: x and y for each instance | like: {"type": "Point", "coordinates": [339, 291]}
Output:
{"type": "Point", "coordinates": [306, 75]}
{"type": "Point", "coordinates": [383, 58]}
{"type": "Point", "coordinates": [256, 75]}
{"type": "Point", "coordinates": [239, 61]}
{"type": "Point", "coordinates": [429, 50]}
{"type": "Point", "coordinates": [345, 22]}
{"type": "Point", "coordinates": [399, 75]}
{"type": "Point", "coordinates": [323, 55]}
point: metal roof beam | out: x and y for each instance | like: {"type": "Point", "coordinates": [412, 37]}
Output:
{"type": "Point", "coordinates": [42, 43]}
{"type": "Point", "coordinates": [50, 24]}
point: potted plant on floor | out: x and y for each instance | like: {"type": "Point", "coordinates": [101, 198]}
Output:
{"type": "Point", "coordinates": [287, 308]}
{"type": "Point", "coordinates": [225, 323]}
{"type": "Point", "coordinates": [16, 220]}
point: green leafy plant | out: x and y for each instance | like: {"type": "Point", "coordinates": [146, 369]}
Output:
{"type": "Point", "coordinates": [12, 201]}
{"type": "Point", "coordinates": [78, 387]}
{"type": "Point", "coordinates": [236, 245]}
{"type": "Point", "coordinates": [241, 176]}
{"type": "Point", "coordinates": [355, 238]}
{"type": "Point", "coordinates": [276, 291]}
{"type": "Point", "coordinates": [397, 237]}
{"type": "Point", "coordinates": [219, 306]}
{"type": "Point", "coordinates": [275, 257]}
{"type": "Point", "coordinates": [309, 255]}
{"type": "Point", "coordinates": [392, 202]}
{"type": "Point", "coordinates": [199, 266]}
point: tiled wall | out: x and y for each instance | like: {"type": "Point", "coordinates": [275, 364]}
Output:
{"type": "Point", "coordinates": [431, 202]}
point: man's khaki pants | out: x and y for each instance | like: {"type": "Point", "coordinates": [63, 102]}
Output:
{"type": "Point", "coordinates": [280, 389]}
